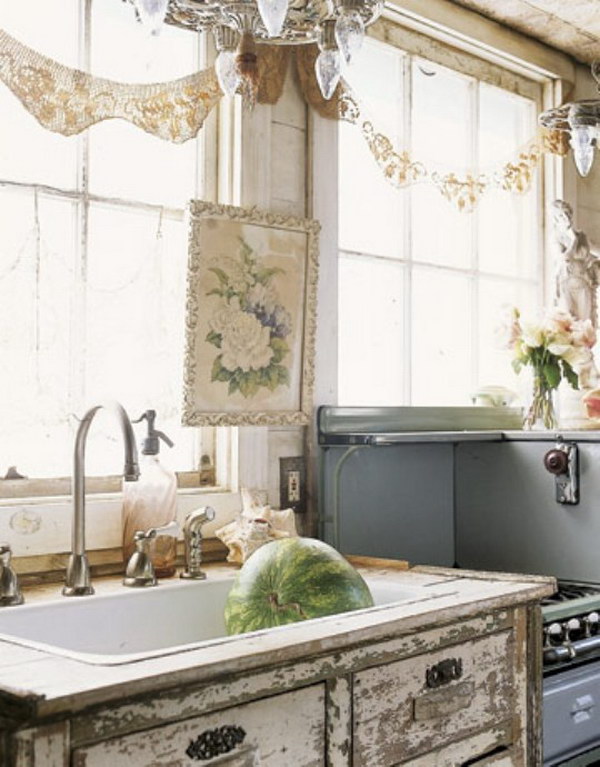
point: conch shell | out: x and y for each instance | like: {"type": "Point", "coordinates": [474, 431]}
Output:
{"type": "Point", "coordinates": [256, 525]}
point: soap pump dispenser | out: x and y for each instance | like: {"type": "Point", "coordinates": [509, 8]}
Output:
{"type": "Point", "coordinates": [151, 502]}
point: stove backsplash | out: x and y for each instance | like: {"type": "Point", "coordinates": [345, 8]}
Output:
{"type": "Point", "coordinates": [483, 505]}
{"type": "Point", "coordinates": [393, 502]}
{"type": "Point", "coordinates": [507, 517]}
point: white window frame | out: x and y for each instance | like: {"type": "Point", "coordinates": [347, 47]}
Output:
{"type": "Point", "coordinates": [415, 47]}
{"type": "Point", "coordinates": [35, 515]}
{"type": "Point", "coordinates": [436, 25]}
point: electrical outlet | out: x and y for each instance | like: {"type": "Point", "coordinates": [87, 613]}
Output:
{"type": "Point", "coordinates": [292, 484]}
{"type": "Point", "coordinates": [293, 479]}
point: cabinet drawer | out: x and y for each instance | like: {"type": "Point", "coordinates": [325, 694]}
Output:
{"type": "Point", "coordinates": [417, 705]}
{"type": "Point", "coordinates": [286, 729]}
{"type": "Point", "coordinates": [486, 749]}
{"type": "Point", "coordinates": [452, 757]}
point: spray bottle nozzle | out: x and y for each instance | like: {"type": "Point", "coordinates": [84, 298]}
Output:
{"type": "Point", "coordinates": [151, 444]}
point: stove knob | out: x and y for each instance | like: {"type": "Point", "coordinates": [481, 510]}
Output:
{"type": "Point", "coordinates": [591, 623]}
{"type": "Point", "coordinates": [553, 634]}
{"type": "Point", "coordinates": [572, 626]}
{"type": "Point", "coordinates": [556, 461]}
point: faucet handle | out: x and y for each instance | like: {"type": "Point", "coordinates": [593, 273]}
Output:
{"type": "Point", "coordinates": [10, 592]}
{"type": "Point", "coordinates": [173, 529]}
{"type": "Point", "coordinates": [140, 570]}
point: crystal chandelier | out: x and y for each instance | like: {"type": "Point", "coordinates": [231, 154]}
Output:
{"type": "Point", "coordinates": [337, 26]}
{"type": "Point", "coordinates": [581, 120]}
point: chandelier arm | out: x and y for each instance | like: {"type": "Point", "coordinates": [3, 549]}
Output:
{"type": "Point", "coordinates": [301, 25]}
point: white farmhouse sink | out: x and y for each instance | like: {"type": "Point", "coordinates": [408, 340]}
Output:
{"type": "Point", "coordinates": [133, 625]}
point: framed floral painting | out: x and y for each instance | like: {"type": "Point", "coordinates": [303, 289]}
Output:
{"type": "Point", "coordinates": [250, 325]}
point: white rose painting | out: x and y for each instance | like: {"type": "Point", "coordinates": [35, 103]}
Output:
{"type": "Point", "coordinates": [251, 317]}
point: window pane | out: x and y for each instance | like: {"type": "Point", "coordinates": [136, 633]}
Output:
{"type": "Point", "coordinates": [371, 355]}
{"type": "Point", "coordinates": [121, 50]}
{"type": "Point", "coordinates": [505, 122]}
{"type": "Point", "coordinates": [441, 234]}
{"type": "Point", "coordinates": [370, 208]}
{"type": "Point", "coordinates": [50, 27]}
{"type": "Point", "coordinates": [129, 164]}
{"type": "Point", "coordinates": [441, 107]}
{"type": "Point", "coordinates": [135, 323]}
{"type": "Point", "coordinates": [509, 223]}
{"type": "Point", "coordinates": [29, 152]}
{"type": "Point", "coordinates": [508, 234]}
{"type": "Point", "coordinates": [36, 274]}
{"type": "Point", "coordinates": [124, 161]}
{"type": "Point", "coordinates": [441, 338]}
{"type": "Point", "coordinates": [442, 128]}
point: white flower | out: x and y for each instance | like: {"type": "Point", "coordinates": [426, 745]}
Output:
{"type": "Point", "coordinates": [560, 344]}
{"type": "Point", "coordinates": [578, 357]}
{"type": "Point", "coordinates": [221, 318]}
{"type": "Point", "coordinates": [245, 343]}
{"type": "Point", "coordinates": [532, 335]}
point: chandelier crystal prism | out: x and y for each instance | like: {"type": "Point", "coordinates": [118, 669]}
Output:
{"type": "Point", "coordinates": [349, 29]}
{"type": "Point", "coordinates": [336, 25]}
{"type": "Point", "coordinates": [151, 14]}
{"type": "Point", "coordinates": [581, 120]}
{"type": "Point", "coordinates": [328, 66]}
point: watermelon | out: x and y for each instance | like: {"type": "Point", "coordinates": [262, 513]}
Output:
{"type": "Point", "coordinates": [293, 579]}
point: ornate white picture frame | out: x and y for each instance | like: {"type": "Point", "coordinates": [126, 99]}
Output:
{"type": "Point", "coordinates": [250, 317]}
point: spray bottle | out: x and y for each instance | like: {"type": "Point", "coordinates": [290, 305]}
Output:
{"type": "Point", "coordinates": [151, 502]}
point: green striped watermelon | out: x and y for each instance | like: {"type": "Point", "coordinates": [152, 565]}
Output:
{"type": "Point", "coordinates": [293, 579]}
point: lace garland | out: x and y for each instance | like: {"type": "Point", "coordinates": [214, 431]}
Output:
{"type": "Point", "coordinates": [67, 101]}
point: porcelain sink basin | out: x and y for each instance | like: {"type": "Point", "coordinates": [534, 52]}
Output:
{"type": "Point", "coordinates": [134, 625]}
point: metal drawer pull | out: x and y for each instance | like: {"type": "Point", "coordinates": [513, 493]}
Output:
{"type": "Point", "coordinates": [444, 672]}
{"type": "Point", "coordinates": [443, 702]}
{"type": "Point", "coordinates": [211, 743]}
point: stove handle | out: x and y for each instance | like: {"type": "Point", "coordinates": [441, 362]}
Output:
{"type": "Point", "coordinates": [570, 651]}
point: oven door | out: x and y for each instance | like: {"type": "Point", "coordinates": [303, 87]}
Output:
{"type": "Point", "coordinates": [571, 715]}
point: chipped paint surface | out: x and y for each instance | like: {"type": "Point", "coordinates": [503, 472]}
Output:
{"type": "Point", "coordinates": [43, 746]}
{"type": "Point", "coordinates": [338, 700]}
{"type": "Point", "coordinates": [339, 721]}
{"type": "Point", "coordinates": [458, 753]}
{"type": "Point", "coordinates": [286, 729]}
{"type": "Point", "coordinates": [25, 521]}
{"type": "Point", "coordinates": [572, 27]}
{"type": "Point", "coordinates": [181, 703]}
{"type": "Point", "coordinates": [397, 716]}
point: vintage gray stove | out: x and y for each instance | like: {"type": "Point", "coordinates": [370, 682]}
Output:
{"type": "Point", "coordinates": [408, 483]}
{"type": "Point", "coordinates": [571, 662]}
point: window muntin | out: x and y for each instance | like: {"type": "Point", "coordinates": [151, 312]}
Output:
{"type": "Point", "coordinates": [423, 333]}
{"type": "Point", "coordinates": [92, 256]}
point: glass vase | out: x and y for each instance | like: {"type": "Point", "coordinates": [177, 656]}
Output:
{"type": "Point", "coordinates": [541, 413]}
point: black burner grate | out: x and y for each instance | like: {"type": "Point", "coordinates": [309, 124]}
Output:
{"type": "Point", "coordinates": [568, 591]}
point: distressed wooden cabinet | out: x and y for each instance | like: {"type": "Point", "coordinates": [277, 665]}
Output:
{"type": "Point", "coordinates": [453, 683]}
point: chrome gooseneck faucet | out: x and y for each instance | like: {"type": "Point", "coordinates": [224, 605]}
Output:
{"type": "Point", "coordinates": [77, 582]}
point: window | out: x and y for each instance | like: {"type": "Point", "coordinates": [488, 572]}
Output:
{"type": "Point", "coordinates": [93, 252]}
{"type": "Point", "coordinates": [421, 285]}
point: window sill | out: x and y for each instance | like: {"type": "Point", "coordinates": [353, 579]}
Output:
{"type": "Point", "coordinates": [42, 526]}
